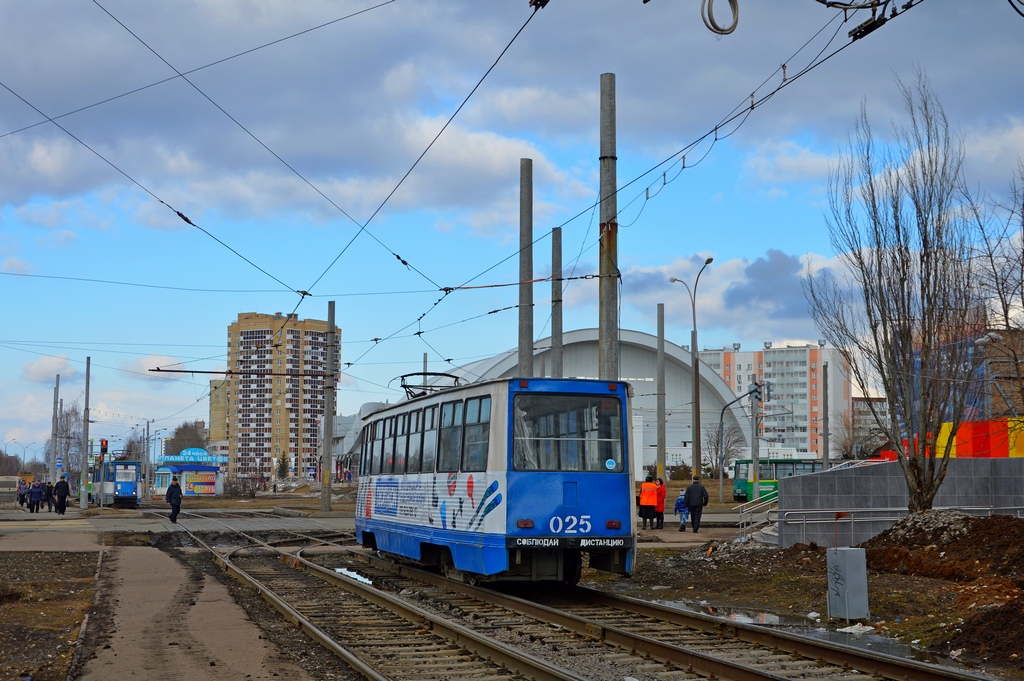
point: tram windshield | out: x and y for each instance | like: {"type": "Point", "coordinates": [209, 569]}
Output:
{"type": "Point", "coordinates": [124, 473]}
{"type": "Point", "coordinates": [567, 433]}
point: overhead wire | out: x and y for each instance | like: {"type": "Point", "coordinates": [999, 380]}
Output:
{"type": "Point", "coordinates": [141, 186]}
{"type": "Point", "coordinates": [739, 114]}
{"type": "Point", "coordinates": [429, 146]}
{"type": "Point", "coordinates": [200, 68]}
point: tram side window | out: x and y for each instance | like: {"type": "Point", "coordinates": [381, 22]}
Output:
{"type": "Point", "coordinates": [429, 439]}
{"type": "Point", "coordinates": [366, 465]}
{"type": "Point", "coordinates": [400, 443]}
{"type": "Point", "coordinates": [478, 431]}
{"type": "Point", "coordinates": [766, 471]}
{"type": "Point", "coordinates": [388, 457]}
{"type": "Point", "coordinates": [784, 469]}
{"type": "Point", "coordinates": [449, 449]}
{"type": "Point", "coordinates": [415, 441]}
{"type": "Point", "coordinates": [378, 444]}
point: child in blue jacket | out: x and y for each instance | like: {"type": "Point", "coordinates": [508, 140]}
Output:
{"type": "Point", "coordinates": [682, 511]}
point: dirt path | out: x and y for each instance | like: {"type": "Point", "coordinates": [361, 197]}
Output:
{"type": "Point", "coordinates": [172, 625]}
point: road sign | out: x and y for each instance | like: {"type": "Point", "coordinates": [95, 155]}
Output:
{"type": "Point", "coordinates": [60, 462]}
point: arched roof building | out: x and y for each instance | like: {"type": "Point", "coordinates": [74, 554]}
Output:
{"type": "Point", "coordinates": [638, 364]}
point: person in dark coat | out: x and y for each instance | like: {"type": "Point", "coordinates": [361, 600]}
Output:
{"type": "Point", "coordinates": [696, 498]}
{"type": "Point", "coordinates": [36, 495]}
{"type": "Point", "coordinates": [62, 490]}
{"type": "Point", "coordinates": [174, 499]}
{"type": "Point", "coordinates": [48, 491]}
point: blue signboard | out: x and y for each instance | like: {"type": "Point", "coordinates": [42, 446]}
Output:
{"type": "Point", "coordinates": [193, 455]}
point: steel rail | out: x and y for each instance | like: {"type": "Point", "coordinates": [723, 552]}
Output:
{"type": "Point", "coordinates": [878, 664]}
{"type": "Point", "coordinates": [482, 646]}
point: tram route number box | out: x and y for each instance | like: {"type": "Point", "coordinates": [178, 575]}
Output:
{"type": "Point", "coordinates": [847, 584]}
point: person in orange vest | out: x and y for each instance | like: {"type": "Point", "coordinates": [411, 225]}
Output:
{"type": "Point", "coordinates": [648, 500]}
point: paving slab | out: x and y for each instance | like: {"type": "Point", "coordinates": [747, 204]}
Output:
{"type": "Point", "coordinates": [43, 539]}
{"type": "Point", "coordinates": [169, 626]}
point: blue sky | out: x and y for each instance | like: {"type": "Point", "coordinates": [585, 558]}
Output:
{"type": "Point", "coordinates": [350, 106]}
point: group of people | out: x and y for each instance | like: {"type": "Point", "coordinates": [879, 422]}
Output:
{"type": "Point", "coordinates": [690, 504]}
{"type": "Point", "coordinates": [54, 496]}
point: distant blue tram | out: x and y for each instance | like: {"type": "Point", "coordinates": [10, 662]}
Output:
{"type": "Point", "coordinates": [513, 479]}
{"type": "Point", "coordinates": [123, 484]}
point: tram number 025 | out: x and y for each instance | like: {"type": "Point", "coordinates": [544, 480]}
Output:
{"type": "Point", "coordinates": [570, 524]}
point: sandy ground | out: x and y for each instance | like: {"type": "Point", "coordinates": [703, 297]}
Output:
{"type": "Point", "coordinates": [169, 624]}
{"type": "Point", "coordinates": [49, 541]}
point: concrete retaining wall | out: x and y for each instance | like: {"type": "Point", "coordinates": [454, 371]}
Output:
{"type": "Point", "coordinates": [875, 497]}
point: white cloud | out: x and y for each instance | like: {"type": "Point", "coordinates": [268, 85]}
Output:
{"type": "Point", "coordinates": [786, 161]}
{"type": "Point", "coordinates": [58, 239]}
{"type": "Point", "coordinates": [15, 265]}
{"type": "Point", "coordinates": [140, 368]}
{"type": "Point", "coordinates": [45, 369]}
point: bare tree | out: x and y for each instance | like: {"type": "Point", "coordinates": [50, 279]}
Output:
{"type": "Point", "coordinates": [1000, 269]}
{"type": "Point", "coordinates": [188, 434]}
{"type": "Point", "coordinates": [69, 437]}
{"type": "Point", "coordinates": [9, 464]}
{"type": "Point", "coordinates": [732, 442]}
{"type": "Point", "coordinates": [907, 311]}
{"type": "Point", "coordinates": [134, 448]}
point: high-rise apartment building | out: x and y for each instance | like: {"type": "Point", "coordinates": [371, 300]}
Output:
{"type": "Point", "coordinates": [794, 417]}
{"type": "Point", "coordinates": [219, 409]}
{"type": "Point", "coordinates": [275, 392]}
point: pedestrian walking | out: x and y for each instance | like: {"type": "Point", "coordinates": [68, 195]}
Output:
{"type": "Point", "coordinates": [681, 510]}
{"type": "Point", "coordinates": [174, 499]}
{"type": "Point", "coordinates": [36, 495]}
{"type": "Point", "coordinates": [62, 490]}
{"type": "Point", "coordinates": [22, 492]}
{"type": "Point", "coordinates": [696, 499]}
{"type": "Point", "coordinates": [48, 491]}
{"type": "Point", "coordinates": [648, 499]}
{"type": "Point", "coordinates": [659, 505]}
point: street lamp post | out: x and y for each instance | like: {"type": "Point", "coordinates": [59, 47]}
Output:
{"type": "Point", "coordinates": [24, 448]}
{"type": "Point", "coordinates": [695, 362]}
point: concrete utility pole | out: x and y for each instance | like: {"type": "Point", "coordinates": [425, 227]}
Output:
{"type": "Point", "coordinates": [83, 495]}
{"type": "Point", "coordinates": [525, 369]}
{"type": "Point", "coordinates": [52, 458]}
{"type": "Point", "coordinates": [557, 352]}
{"type": "Point", "coordinates": [660, 388]}
{"type": "Point", "coordinates": [827, 462]}
{"type": "Point", "coordinates": [327, 465]}
{"type": "Point", "coordinates": [754, 444]}
{"type": "Point", "coordinates": [608, 324]}
{"type": "Point", "coordinates": [145, 468]}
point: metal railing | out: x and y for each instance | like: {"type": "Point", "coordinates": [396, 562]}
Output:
{"type": "Point", "coordinates": [753, 514]}
{"type": "Point", "coordinates": [805, 518]}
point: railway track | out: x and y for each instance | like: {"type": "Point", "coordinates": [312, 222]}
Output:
{"type": "Point", "coordinates": [394, 621]}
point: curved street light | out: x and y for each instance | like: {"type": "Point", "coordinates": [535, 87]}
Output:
{"type": "Point", "coordinates": [695, 362]}
{"type": "Point", "coordinates": [23, 449]}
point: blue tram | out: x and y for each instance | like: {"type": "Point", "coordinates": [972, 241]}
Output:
{"type": "Point", "coordinates": [513, 479]}
{"type": "Point", "coordinates": [123, 484]}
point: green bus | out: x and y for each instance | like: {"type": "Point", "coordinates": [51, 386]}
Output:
{"type": "Point", "coordinates": [769, 472]}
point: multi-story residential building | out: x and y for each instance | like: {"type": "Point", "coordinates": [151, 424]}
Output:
{"type": "Point", "coordinates": [866, 436]}
{"type": "Point", "coordinates": [794, 417]}
{"type": "Point", "coordinates": [219, 409]}
{"type": "Point", "coordinates": [275, 393]}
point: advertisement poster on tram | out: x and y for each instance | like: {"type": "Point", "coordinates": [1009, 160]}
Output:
{"type": "Point", "coordinates": [200, 484]}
